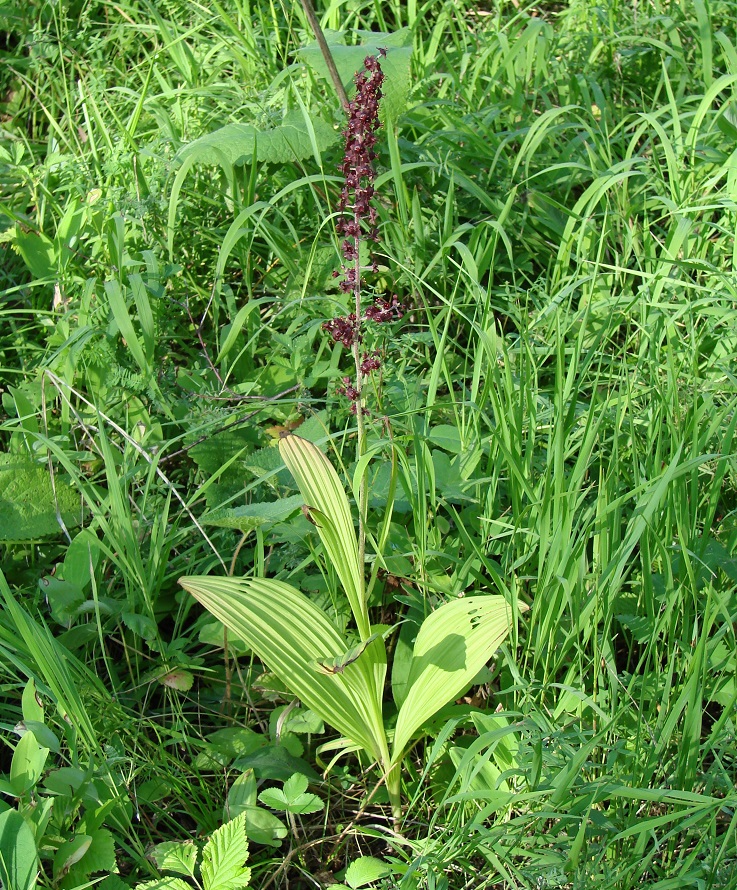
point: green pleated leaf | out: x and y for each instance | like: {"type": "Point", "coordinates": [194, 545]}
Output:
{"type": "Point", "coordinates": [328, 506]}
{"type": "Point", "coordinates": [452, 646]}
{"type": "Point", "coordinates": [290, 634]}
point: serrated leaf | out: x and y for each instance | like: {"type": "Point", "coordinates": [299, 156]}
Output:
{"type": "Point", "coordinates": [232, 144]}
{"type": "Point", "coordinates": [274, 798]}
{"type": "Point", "coordinates": [164, 884]}
{"type": "Point", "coordinates": [176, 856]}
{"type": "Point", "coordinates": [29, 501]}
{"type": "Point", "coordinates": [295, 785]}
{"type": "Point", "coordinates": [364, 870]}
{"type": "Point", "coordinates": [112, 882]}
{"type": "Point", "coordinates": [18, 857]}
{"type": "Point", "coordinates": [141, 625]}
{"type": "Point", "coordinates": [227, 446]}
{"type": "Point", "coordinates": [100, 855]}
{"type": "Point", "coordinates": [252, 516]}
{"type": "Point", "coordinates": [224, 855]}
{"type": "Point", "coordinates": [453, 644]}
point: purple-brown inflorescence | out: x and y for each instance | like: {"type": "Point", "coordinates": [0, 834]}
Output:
{"type": "Point", "coordinates": [359, 220]}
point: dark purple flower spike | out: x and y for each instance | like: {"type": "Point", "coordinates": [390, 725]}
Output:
{"type": "Point", "coordinates": [359, 221]}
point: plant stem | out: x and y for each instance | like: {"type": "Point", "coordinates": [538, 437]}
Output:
{"type": "Point", "coordinates": [325, 50]}
{"type": "Point", "coordinates": [360, 419]}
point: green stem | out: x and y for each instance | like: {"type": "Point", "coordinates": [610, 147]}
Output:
{"type": "Point", "coordinates": [360, 419]}
{"type": "Point", "coordinates": [394, 789]}
{"type": "Point", "coordinates": [325, 50]}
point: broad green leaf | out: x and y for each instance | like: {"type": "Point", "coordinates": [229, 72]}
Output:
{"type": "Point", "coordinates": [232, 144]}
{"type": "Point", "coordinates": [38, 253]}
{"type": "Point", "coordinates": [176, 856]}
{"type": "Point", "coordinates": [290, 634]}
{"type": "Point", "coordinates": [224, 856]}
{"type": "Point", "coordinates": [27, 763]}
{"type": "Point", "coordinates": [70, 853]}
{"type": "Point", "coordinates": [44, 736]}
{"type": "Point", "coordinates": [251, 516]}
{"type": "Point", "coordinates": [364, 870]}
{"type": "Point", "coordinates": [29, 504]}
{"type": "Point", "coordinates": [303, 720]}
{"type": "Point", "coordinates": [81, 558]}
{"type": "Point", "coordinates": [452, 646]}
{"type": "Point", "coordinates": [477, 773]}
{"type": "Point", "coordinates": [32, 706]}
{"type": "Point", "coordinates": [349, 60]}
{"type": "Point", "coordinates": [328, 505]}
{"type": "Point", "coordinates": [276, 762]}
{"type": "Point", "coordinates": [18, 857]}
{"type": "Point", "coordinates": [178, 679]}
{"type": "Point", "coordinates": [141, 625]}
{"type": "Point", "coordinates": [447, 437]}
{"type": "Point", "coordinates": [263, 827]}
{"type": "Point", "coordinates": [64, 599]}
{"type": "Point", "coordinates": [242, 794]}
{"type": "Point", "coordinates": [211, 634]}
{"type": "Point", "coordinates": [98, 856]}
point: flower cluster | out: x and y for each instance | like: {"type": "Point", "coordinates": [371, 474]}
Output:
{"type": "Point", "coordinates": [345, 329]}
{"type": "Point", "coordinates": [359, 215]}
{"type": "Point", "coordinates": [359, 221]}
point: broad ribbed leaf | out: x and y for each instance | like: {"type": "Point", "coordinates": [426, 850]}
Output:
{"type": "Point", "coordinates": [290, 634]}
{"type": "Point", "coordinates": [452, 646]}
{"type": "Point", "coordinates": [325, 496]}
{"type": "Point", "coordinates": [18, 857]}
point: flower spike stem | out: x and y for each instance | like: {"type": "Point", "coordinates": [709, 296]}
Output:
{"type": "Point", "coordinates": [325, 50]}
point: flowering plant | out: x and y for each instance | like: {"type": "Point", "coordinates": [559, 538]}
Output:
{"type": "Point", "coordinates": [343, 682]}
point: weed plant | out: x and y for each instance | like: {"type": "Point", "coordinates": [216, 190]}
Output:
{"type": "Point", "coordinates": [553, 422]}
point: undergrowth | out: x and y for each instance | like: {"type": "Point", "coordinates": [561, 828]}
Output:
{"type": "Point", "coordinates": [553, 421]}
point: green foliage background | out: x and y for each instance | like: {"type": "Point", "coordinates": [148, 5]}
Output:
{"type": "Point", "coordinates": [556, 195]}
